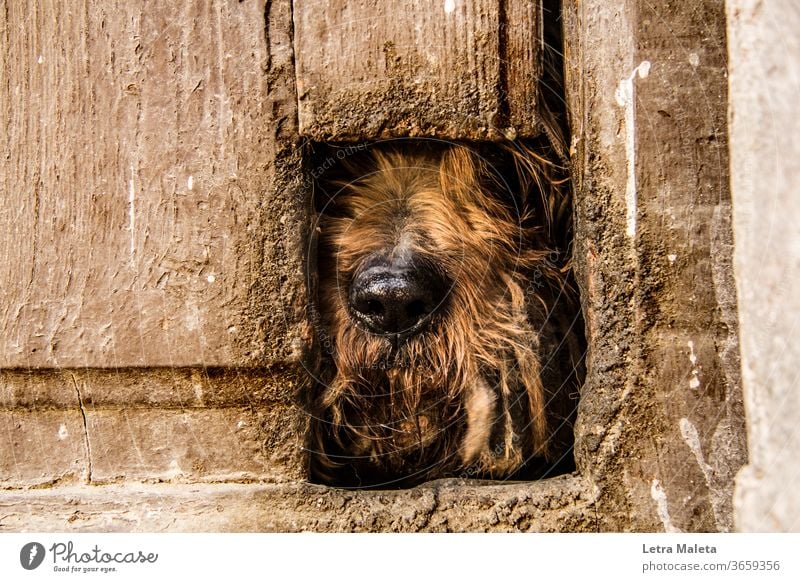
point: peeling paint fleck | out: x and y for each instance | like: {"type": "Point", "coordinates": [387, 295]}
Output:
{"type": "Point", "coordinates": [694, 381]}
{"type": "Point", "coordinates": [63, 432]}
{"type": "Point", "coordinates": [625, 99]}
{"type": "Point", "coordinates": [449, 6]}
{"type": "Point", "coordinates": [660, 497]}
{"type": "Point", "coordinates": [192, 317]}
{"type": "Point", "coordinates": [692, 439]}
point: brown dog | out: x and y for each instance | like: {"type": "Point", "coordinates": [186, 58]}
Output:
{"type": "Point", "coordinates": [450, 338]}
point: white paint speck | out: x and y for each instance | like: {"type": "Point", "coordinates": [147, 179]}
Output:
{"type": "Point", "coordinates": [40, 60]}
{"type": "Point", "coordinates": [694, 381]}
{"type": "Point", "coordinates": [449, 6]}
{"type": "Point", "coordinates": [192, 318]}
{"type": "Point", "coordinates": [241, 424]}
{"type": "Point", "coordinates": [190, 182]}
{"type": "Point", "coordinates": [692, 439]}
{"type": "Point", "coordinates": [672, 258]}
{"type": "Point", "coordinates": [662, 507]}
{"type": "Point", "coordinates": [625, 99]}
{"type": "Point", "coordinates": [197, 384]}
{"type": "Point", "coordinates": [692, 355]}
{"type": "Point", "coordinates": [573, 145]}
{"type": "Point", "coordinates": [174, 470]}
{"type": "Point", "coordinates": [211, 278]}
{"type": "Point", "coordinates": [63, 432]}
{"type": "Point", "coordinates": [510, 133]}
{"type": "Point", "coordinates": [694, 59]}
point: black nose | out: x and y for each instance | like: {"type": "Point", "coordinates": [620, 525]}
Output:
{"type": "Point", "coordinates": [391, 299]}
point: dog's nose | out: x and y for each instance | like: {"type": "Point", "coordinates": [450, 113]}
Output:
{"type": "Point", "coordinates": [395, 300]}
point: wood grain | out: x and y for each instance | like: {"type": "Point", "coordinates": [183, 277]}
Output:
{"type": "Point", "coordinates": [135, 175]}
{"type": "Point", "coordinates": [368, 70]}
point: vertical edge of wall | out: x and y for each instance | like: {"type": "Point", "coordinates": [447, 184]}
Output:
{"type": "Point", "coordinates": [764, 53]}
{"type": "Point", "coordinates": [661, 429]}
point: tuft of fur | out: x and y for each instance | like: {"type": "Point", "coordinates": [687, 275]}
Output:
{"type": "Point", "coordinates": [488, 388]}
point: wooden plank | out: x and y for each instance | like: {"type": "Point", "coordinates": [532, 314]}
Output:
{"type": "Point", "coordinates": [195, 445]}
{"type": "Point", "coordinates": [461, 69]}
{"type": "Point", "coordinates": [42, 447]}
{"type": "Point", "coordinates": [661, 429]}
{"type": "Point", "coordinates": [147, 388]}
{"type": "Point", "coordinates": [137, 226]}
{"type": "Point", "coordinates": [149, 424]}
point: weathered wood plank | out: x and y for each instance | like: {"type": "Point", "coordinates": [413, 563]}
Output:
{"type": "Point", "coordinates": [194, 445]}
{"type": "Point", "coordinates": [42, 447]}
{"type": "Point", "coordinates": [147, 388]}
{"type": "Point", "coordinates": [461, 69]}
{"type": "Point", "coordinates": [139, 144]}
{"type": "Point", "coordinates": [149, 424]}
{"type": "Point", "coordinates": [661, 428]}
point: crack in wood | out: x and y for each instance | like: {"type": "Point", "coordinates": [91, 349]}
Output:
{"type": "Point", "coordinates": [85, 429]}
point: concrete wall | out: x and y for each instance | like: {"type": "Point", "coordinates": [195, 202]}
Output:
{"type": "Point", "coordinates": [764, 50]}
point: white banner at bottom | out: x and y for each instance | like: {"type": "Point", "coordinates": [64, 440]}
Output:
{"type": "Point", "coordinates": [401, 557]}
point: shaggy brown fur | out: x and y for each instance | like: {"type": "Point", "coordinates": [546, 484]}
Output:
{"type": "Point", "coordinates": [489, 387]}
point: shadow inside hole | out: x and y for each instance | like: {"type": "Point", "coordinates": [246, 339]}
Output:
{"type": "Point", "coordinates": [375, 450]}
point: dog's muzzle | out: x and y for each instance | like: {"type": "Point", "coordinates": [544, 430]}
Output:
{"type": "Point", "coordinates": [396, 298]}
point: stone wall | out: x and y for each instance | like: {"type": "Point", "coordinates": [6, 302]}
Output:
{"type": "Point", "coordinates": [765, 172]}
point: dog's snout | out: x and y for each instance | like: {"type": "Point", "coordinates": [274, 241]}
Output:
{"type": "Point", "coordinates": [395, 300]}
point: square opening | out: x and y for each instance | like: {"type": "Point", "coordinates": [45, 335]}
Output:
{"type": "Point", "coordinates": [448, 335]}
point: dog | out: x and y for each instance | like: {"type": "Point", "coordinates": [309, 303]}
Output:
{"type": "Point", "coordinates": [447, 340]}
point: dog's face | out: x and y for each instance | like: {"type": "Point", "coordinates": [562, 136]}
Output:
{"type": "Point", "coordinates": [432, 332]}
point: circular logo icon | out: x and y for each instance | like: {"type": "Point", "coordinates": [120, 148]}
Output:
{"type": "Point", "coordinates": [31, 555]}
